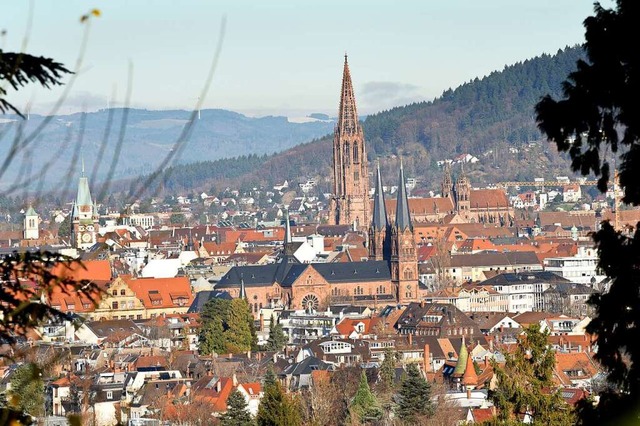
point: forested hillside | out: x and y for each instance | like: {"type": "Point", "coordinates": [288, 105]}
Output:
{"type": "Point", "coordinates": [490, 118]}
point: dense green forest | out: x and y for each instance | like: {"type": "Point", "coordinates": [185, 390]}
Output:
{"type": "Point", "coordinates": [490, 118]}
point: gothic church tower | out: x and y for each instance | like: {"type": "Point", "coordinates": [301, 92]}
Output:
{"type": "Point", "coordinates": [84, 217]}
{"type": "Point", "coordinates": [404, 257]}
{"type": "Point", "coordinates": [463, 194]}
{"type": "Point", "coordinates": [350, 202]}
{"type": "Point", "coordinates": [447, 184]}
{"type": "Point", "coordinates": [379, 231]}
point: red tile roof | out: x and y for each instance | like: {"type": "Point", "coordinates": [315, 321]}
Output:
{"type": "Point", "coordinates": [91, 270]}
{"type": "Point", "coordinates": [348, 325]}
{"type": "Point", "coordinates": [483, 198]}
{"type": "Point", "coordinates": [158, 293]}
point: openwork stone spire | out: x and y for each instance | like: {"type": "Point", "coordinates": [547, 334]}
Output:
{"type": "Point", "coordinates": [348, 114]}
{"type": "Point", "coordinates": [350, 202]}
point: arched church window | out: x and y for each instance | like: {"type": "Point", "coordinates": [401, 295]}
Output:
{"type": "Point", "coordinates": [347, 152]}
{"type": "Point", "coordinates": [408, 274]}
{"type": "Point", "coordinates": [356, 158]}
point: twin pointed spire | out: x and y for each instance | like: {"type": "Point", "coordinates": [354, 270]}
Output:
{"type": "Point", "coordinates": [380, 221]}
{"type": "Point", "coordinates": [403, 218]}
{"type": "Point", "coordinates": [287, 228]}
{"type": "Point", "coordinates": [348, 122]}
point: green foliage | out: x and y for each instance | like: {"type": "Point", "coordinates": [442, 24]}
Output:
{"type": "Point", "coordinates": [27, 390]}
{"type": "Point", "coordinates": [18, 69]}
{"type": "Point", "coordinates": [277, 408]}
{"type": "Point", "coordinates": [237, 414]}
{"type": "Point", "coordinates": [414, 397]}
{"type": "Point", "coordinates": [75, 402]}
{"type": "Point", "coordinates": [365, 405]}
{"type": "Point", "coordinates": [227, 327]}
{"type": "Point", "coordinates": [595, 120]}
{"type": "Point", "coordinates": [525, 383]}
{"type": "Point", "coordinates": [64, 230]}
{"type": "Point", "coordinates": [277, 338]}
{"type": "Point", "coordinates": [177, 219]}
{"type": "Point", "coordinates": [387, 368]}
{"type": "Point", "coordinates": [269, 377]}
{"type": "Point", "coordinates": [240, 333]}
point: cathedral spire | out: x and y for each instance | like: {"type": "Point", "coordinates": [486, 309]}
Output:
{"type": "Point", "coordinates": [350, 203]}
{"type": "Point", "coordinates": [287, 228]}
{"type": "Point", "coordinates": [348, 115]}
{"type": "Point", "coordinates": [379, 211]}
{"type": "Point", "coordinates": [403, 218]}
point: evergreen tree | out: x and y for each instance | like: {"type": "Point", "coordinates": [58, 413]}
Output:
{"type": "Point", "coordinates": [27, 390]}
{"type": "Point", "coordinates": [211, 337]}
{"type": "Point", "coordinates": [595, 120]}
{"type": "Point", "coordinates": [365, 405]}
{"type": "Point", "coordinates": [64, 230]}
{"type": "Point", "coordinates": [227, 327]}
{"type": "Point", "coordinates": [525, 384]}
{"type": "Point", "coordinates": [240, 332]}
{"type": "Point", "coordinates": [414, 398]}
{"type": "Point", "coordinates": [75, 402]}
{"type": "Point", "coordinates": [269, 377]}
{"type": "Point", "coordinates": [237, 414]}
{"type": "Point", "coordinates": [277, 338]}
{"type": "Point", "coordinates": [277, 408]}
{"type": "Point", "coordinates": [388, 368]}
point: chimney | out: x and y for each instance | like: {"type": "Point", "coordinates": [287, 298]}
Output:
{"type": "Point", "coordinates": [486, 361]}
{"type": "Point", "coordinates": [234, 380]}
{"type": "Point", "coordinates": [410, 339]}
{"type": "Point", "coordinates": [468, 393]}
{"type": "Point", "coordinates": [262, 322]}
{"type": "Point", "coordinates": [422, 304]}
{"type": "Point", "coordinates": [218, 386]}
{"type": "Point", "coordinates": [230, 355]}
{"type": "Point", "coordinates": [427, 358]}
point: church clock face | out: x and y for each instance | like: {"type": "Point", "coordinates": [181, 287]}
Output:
{"type": "Point", "coordinates": [90, 228]}
{"type": "Point", "coordinates": [86, 238]}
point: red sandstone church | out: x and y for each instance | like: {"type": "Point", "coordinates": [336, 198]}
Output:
{"type": "Point", "coordinates": [390, 275]}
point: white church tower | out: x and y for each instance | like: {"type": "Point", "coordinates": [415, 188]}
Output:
{"type": "Point", "coordinates": [31, 225]}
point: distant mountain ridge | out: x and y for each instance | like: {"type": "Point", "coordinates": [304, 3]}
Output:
{"type": "Point", "coordinates": [149, 136]}
{"type": "Point", "coordinates": [491, 118]}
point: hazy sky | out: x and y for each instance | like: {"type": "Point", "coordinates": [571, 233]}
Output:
{"type": "Point", "coordinates": [284, 57]}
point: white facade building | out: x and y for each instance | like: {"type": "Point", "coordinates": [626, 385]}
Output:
{"type": "Point", "coordinates": [581, 268]}
{"type": "Point", "coordinates": [144, 221]}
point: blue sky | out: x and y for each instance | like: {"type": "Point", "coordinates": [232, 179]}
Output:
{"type": "Point", "coordinates": [284, 57]}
